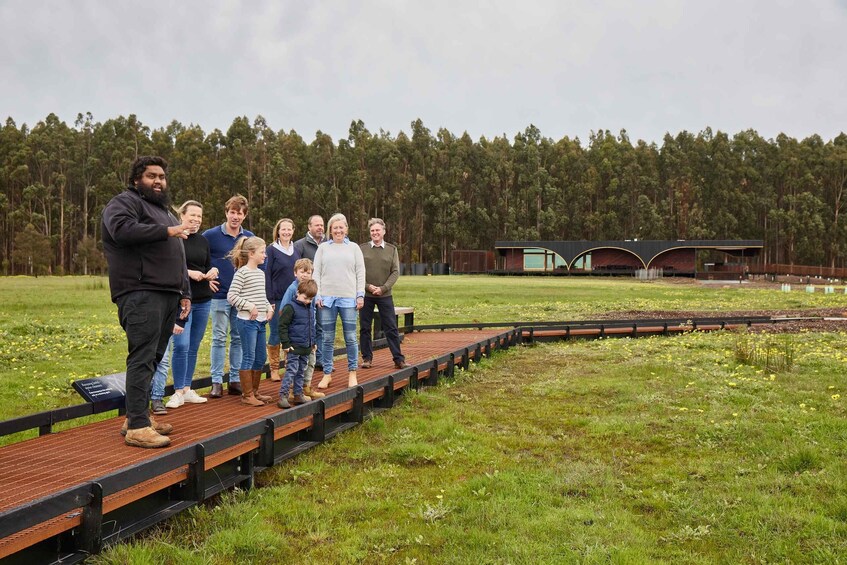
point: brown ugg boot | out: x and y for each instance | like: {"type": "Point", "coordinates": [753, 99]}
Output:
{"type": "Point", "coordinates": [273, 361]}
{"type": "Point", "coordinates": [247, 396]}
{"type": "Point", "coordinates": [257, 380]}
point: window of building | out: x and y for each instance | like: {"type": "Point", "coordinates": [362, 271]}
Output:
{"type": "Point", "coordinates": [535, 259]}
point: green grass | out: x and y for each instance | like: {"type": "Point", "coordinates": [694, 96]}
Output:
{"type": "Point", "coordinates": [658, 450]}
{"type": "Point", "coordinates": [54, 330]}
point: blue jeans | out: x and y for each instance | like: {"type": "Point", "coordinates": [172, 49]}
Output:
{"type": "Point", "coordinates": [253, 341]}
{"type": "Point", "coordinates": [295, 366]}
{"type": "Point", "coordinates": [187, 344]}
{"type": "Point", "coordinates": [161, 374]}
{"type": "Point", "coordinates": [318, 355]}
{"type": "Point", "coordinates": [326, 319]}
{"type": "Point", "coordinates": [273, 330]}
{"type": "Point", "coordinates": [223, 321]}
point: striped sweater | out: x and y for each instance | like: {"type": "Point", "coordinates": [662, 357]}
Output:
{"type": "Point", "coordinates": [247, 291]}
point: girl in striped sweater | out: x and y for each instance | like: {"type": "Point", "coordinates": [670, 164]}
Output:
{"type": "Point", "coordinates": [247, 295]}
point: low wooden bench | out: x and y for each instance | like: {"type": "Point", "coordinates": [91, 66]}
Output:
{"type": "Point", "coordinates": [408, 313]}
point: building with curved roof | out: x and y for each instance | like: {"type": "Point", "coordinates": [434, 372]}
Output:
{"type": "Point", "coordinates": [621, 257]}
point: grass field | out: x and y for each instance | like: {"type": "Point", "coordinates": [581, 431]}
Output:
{"type": "Point", "coordinates": [54, 330]}
{"type": "Point", "coordinates": [657, 450]}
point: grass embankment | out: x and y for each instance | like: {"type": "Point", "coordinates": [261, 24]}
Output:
{"type": "Point", "coordinates": [634, 451]}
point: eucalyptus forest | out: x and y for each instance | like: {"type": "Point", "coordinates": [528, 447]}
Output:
{"type": "Point", "coordinates": [437, 192]}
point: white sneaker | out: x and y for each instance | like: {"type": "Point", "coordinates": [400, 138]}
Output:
{"type": "Point", "coordinates": [192, 397]}
{"type": "Point", "coordinates": [175, 401]}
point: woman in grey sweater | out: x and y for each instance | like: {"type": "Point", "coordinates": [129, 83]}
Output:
{"type": "Point", "coordinates": [340, 274]}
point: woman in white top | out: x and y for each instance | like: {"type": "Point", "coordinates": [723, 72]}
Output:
{"type": "Point", "coordinates": [340, 274]}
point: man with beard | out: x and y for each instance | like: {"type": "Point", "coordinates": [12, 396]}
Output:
{"type": "Point", "coordinates": [149, 283]}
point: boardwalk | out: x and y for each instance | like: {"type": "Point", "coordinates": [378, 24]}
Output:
{"type": "Point", "coordinates": [82, 480]}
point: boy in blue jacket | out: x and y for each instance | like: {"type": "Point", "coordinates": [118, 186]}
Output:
{"type": "Point", "coordinates": [297, 338]}
{"type": "Point", "coordinates": [303, 272]}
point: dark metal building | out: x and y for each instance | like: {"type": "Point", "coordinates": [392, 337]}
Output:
{"type": "Point", "coordinates": [624, 257]}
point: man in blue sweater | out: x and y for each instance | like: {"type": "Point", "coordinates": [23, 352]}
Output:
{"type": "Point", "coordinates": [222, 239]}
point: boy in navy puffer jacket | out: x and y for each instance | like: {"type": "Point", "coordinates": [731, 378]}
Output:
{"type": "Point", "coordinates": [297, 337]}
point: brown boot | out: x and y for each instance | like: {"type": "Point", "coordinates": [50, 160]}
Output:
{"type": "Point", "coordinates": [161, 428]}
{"type": "Point", "coordinates": [247, 396]}
{"type": "Point", "coordinates": [257, 380]}
{"type": "Point", "coordinates": [351, 379]}
{"type": "Point", "coordinates": [301, 399]}
{"type": "Point", "coordinates": [273, 361]}
{"type": "Point", "coordinates": [307, 390]}
{"type": "Point", "coordinates": [146, 437]}
{"type": "Point", "coordinates": [325, 381]}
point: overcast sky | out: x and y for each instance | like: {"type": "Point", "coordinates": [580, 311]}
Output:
{"type": "Point", "coordinates": [488, 68]}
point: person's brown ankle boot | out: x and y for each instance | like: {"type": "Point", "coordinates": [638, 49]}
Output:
{"type": "Point", "coordinates": [351, 379]}
{"type": "Point", "coordinates": [273, 361]}
{"type": "Point", "coordinates": [257, 380]}
{"type": "Point", "coordinates": [161, 428]}
{"type": "Point", "coordinates": [146, 437]}
{"type": "Point", "coordinates": [247, 396]}
{"type": "Point", "coordinates": [307, 390]}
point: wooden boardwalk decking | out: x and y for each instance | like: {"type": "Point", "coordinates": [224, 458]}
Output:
{"type": "Point", "coordinates": [71, 464]}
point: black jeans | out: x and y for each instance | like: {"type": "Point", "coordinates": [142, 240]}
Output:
{"type": "Point", "coordinates": [147, 317]}
{"type": "Point", "coordinates": [385, 304]}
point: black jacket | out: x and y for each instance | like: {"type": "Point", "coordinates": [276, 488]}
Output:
{"type": "Point", "coordinates": [138, 250]}
{"type": "Point", "coordinates": [307, 247]}
{"type": "Point", "coordinates": [198, 258]}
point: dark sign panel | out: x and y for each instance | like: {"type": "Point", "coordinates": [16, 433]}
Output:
{"type": "Point", "coordinates": [98, 389]}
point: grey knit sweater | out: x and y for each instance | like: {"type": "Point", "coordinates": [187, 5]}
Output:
{"type": "Point", "coordinates": [339, 270]}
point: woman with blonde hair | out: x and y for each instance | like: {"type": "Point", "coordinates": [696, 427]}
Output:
{"type": "Point", "coordinates": [340, 274]}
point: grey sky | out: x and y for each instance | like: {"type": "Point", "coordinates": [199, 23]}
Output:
{"type": "Point", "coordinates": [487, 68]}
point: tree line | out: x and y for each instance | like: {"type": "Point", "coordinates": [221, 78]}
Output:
{"type": "Point", "coordinates": [437, 192]}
